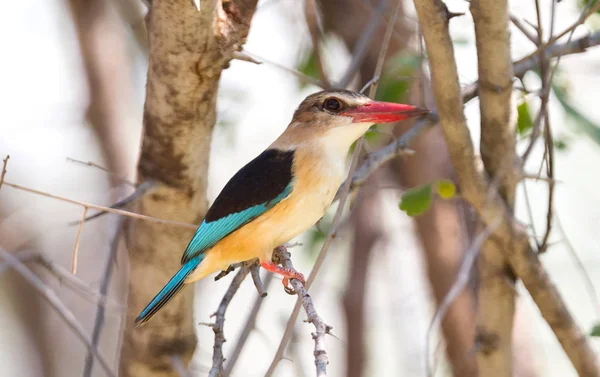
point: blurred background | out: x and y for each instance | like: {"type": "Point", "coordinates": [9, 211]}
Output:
{"type": "Point", "coordinates": [72, 87]}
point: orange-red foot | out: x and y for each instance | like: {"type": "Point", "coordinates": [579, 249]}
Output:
{"type": "Point", "coordinates": [287, 274]}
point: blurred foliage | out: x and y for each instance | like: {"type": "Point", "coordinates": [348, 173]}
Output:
{"type": "Point", "coordinates": [308, 66]}
{"type": "Point", "coordinates": [524, 120]}
{"type": "Point", "coordinates": [417, 200]}
{"type": "Point", "coordinates": [594, 20]}
{"type": "Point", "coordinates": [561, 90]}
{"type": "Point", "coordinates": [595, 330]}
{"type": "Point", "coordinates": [583, 123]}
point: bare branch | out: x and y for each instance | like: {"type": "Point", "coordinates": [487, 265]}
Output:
{"type": "Point", "coordinates": [217, 366]}
{"type": "Point", "coordinates": [322, 329]}
{"type": "Point", "coordinates": [100, 311]}
{"type": "Point", "coordinates": [511, 237]}
{"type": "Point", "coordinates": [255, 272]}
{"type": "Point", "coordinates": [56, 303]}
{"type": "Point", "coordinates": [102, 208]}
{"type": "Point", "coordinates": [250, 325]}
{"type": "Point", "coordinates": [523, 28]}
{"type": "Point", "coordinates": [141, 190]}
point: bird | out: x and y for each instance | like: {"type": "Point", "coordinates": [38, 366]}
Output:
{"type": "Point", "coordinates": [282, 192]}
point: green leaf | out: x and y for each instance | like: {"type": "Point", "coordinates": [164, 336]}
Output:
{"type": "Point", "coordinates": [396, 80]}
{"type": "Point", "coordinates": [560, 144]}
{"type": "Point", "coordinates": [446, 189]}
{"type": "Point", "coordinates": [595, 330]}
{"type": "Point", "coordinates": [524, 121]}
{"type": "Point", "coordinates": [416, 200]}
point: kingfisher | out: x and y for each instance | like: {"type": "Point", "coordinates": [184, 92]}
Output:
{"type": "Point", "coordinates": [282, 192]}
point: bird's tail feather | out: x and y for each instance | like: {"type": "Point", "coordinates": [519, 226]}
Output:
{"type": "Point", "coordinates": [169, 291]}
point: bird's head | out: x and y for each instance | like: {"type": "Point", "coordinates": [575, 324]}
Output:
{"type": "Point", "coordinates": [340, 117]}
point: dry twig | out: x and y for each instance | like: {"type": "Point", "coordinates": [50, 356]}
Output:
{"type": "Point", "coordinates": [56, 303]}
{"type": "Point", "coordinates": [283, 256]}
{"type": "Point", "coordinates": [218, 359]}
{"type": "Point", "coordinates": [102, 208]}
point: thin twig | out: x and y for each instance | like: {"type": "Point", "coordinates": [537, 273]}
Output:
{"type": "Point", "coordinates": [311, 14]}
{"type": "Point", "coordinates": [102, 208]}
{"type": "Point", "coordinates": [140, 191]}
{"type": "Point", "coordinates": [97, 166]}
{"type": "Point", "coordinates": [322, 329]}
{"type": "Point", "coordinates": [362, 46]}
{"type": "Point", "coordinates": [524, 65]}
{"type": "Point", "coordinates": [4, 163]}
{"type": "Point", "coordinates": [76, 246]}
{"type": "Point", "coordinates": [462, 279]}
{"type": "Point", "coordinates": [523, 28]}
{"type": "Point", "coordinates": [338, 214]}
{"type": "Point", "coordinates": [258, 283]}
{"type": "Point", "coordinates": [217, 366]}
{"type": "Point", "coordinates": [58, 305]}
{"type": "Point", "coordinates": [248, 327]}
{"type": "Point", "coordinates": [301, 76]}
{"type": "Point", "coordinates": [101, 309]}
{"type": "Point", "coordinates": [586, 12]}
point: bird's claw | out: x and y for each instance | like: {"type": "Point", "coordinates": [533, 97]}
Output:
{"type": "Point", "coordinates": [286, 283]}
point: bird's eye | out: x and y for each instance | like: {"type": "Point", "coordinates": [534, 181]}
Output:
{"type": "Point", "coordinates": [332, 104]}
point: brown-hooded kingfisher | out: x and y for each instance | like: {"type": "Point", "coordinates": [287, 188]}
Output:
{"type": "Point", "coordinates": [282, 192]}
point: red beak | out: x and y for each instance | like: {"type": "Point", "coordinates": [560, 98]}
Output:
{"type": "Point", "coordinates": [383, 112]}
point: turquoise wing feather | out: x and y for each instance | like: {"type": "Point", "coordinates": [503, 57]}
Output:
{"type": "Point", "coordinates": [209, 233]}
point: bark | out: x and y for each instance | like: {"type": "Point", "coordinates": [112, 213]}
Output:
{"type": "Point", "coordinates": [496, 293]}
{"type": "Point", "coordinates": [442, 229]}
{"type": "Point", "coordinates": [188, 51]}
{"type": "Point", "coordinates": [510, 237]}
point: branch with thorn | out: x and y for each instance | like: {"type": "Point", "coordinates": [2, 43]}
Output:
{"type": "Point", "coordinates": [282, 256]}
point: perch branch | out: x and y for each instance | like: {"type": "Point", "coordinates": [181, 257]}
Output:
{"type": "Point", "coordinates": [282, 256]}
{"type": "Point", "coordinates": [345, 190]}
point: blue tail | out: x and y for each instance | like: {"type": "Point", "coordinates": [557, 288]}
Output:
{"type": "Point", "coordinates": [169, 291]}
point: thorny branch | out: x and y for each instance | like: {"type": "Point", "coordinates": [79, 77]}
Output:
{"type": "Point", "coordinates": [282, 256]}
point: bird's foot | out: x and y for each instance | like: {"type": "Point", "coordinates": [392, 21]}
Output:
{"type": "Point", "coordinates": [287, 273]}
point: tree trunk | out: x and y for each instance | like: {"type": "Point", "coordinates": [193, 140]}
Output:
{"type": "Point", "coordinates": [188, 51]}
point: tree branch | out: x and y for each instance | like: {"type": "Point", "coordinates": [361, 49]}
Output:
{"type": "Point", "coordinates": [512, 238]}
{"type": "Point", "coordinates": [217, 366]}
{"type": "Point", "coordinates": [282, 256]}
{"type": "Point", "coordinates": [496, 296]}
